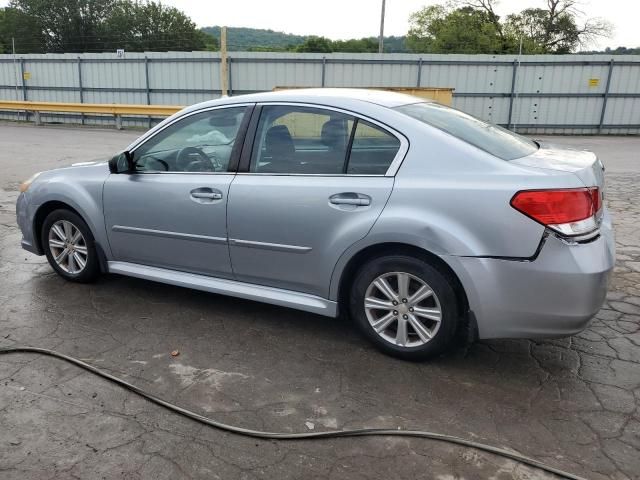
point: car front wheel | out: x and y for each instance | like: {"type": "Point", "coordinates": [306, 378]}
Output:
{"type": "Point", "coordinates": [405, 306]}
{"type": "Point", "coordinates": [69, 246]}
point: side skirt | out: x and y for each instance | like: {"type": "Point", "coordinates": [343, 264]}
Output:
{"type": "Point", "coordinates": [248, 291]}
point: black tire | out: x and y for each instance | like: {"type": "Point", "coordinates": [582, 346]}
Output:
{"type": "Point", "coordinates": [439, 284]}
{"type": "Point", "coordinates": [91, 269]}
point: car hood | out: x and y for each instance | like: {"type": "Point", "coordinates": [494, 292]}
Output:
{"type": "Point", "coordinates": [80, 171]}
{"type": "Point", "coordinates": [101, 161]}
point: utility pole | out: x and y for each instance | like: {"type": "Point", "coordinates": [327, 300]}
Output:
{"type": "Point", "coordinates": [515, 79]}
{"type": "Point", "coordinates": [224, 73]}
{"type": "Point", "coordinates": [381, 37]}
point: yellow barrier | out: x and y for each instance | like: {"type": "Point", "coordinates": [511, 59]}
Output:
{"type": "Point", "coordinates": [113, 109]}
{"type": "Point", "coordinates": [440, 95]}
{"type": "Point", "coordinates": [100, 108]}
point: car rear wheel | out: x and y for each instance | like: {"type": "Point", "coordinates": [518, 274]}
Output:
{"type": "Point", "coordinates": [405, 306]}
{"type": "Point", "coordinates": [69, 246]}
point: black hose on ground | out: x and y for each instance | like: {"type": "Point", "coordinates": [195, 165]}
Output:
{"type": "Point", "coordinates": [293, 436]}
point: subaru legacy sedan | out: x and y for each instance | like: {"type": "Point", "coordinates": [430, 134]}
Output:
{"type": "Point", "coordinates": [416, 220]}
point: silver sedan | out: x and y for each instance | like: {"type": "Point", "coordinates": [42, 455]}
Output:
{"type": "Point", "coordinates": [417, 220]}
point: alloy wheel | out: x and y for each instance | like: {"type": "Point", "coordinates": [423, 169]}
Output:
{"type": "Point", "coordinates": [403, 309]}
{"type": "Point", "coordinates": [68, 247]}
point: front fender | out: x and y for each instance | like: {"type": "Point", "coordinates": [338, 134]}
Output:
{"type": "Point", "coordinates": [81, 190]}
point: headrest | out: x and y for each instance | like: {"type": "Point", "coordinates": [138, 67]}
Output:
{"type": "Point", "coordinates": [334, 134]}
{"type": "Point", "coordinates": [278, 141]}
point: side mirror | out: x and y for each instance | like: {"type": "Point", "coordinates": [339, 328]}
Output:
{"type": "Point", "coordinates": [122, 163]}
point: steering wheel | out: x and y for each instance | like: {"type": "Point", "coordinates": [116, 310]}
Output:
{"type": "Point", "coordinates": [187, 163]}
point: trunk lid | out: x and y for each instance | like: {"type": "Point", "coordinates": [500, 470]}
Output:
{"type": "Point", "coordinates": [582, 163]}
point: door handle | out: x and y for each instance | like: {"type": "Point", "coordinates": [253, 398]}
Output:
{"type": "Point", "coordinates": [208, 195]}
{"type": "Point", "coordinates": [350, 198]}
{"type": "Point", "coordinates": [205, 195]}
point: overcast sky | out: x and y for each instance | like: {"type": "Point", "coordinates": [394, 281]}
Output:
{"type": "Point", "coordinates": [340, 19]}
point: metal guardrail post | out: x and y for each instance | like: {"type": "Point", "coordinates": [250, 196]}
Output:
{"type": "Point", "coordinates": [419, 80]}
{"type": "Point", "coordinates": [148, 91]}
{"type": "Point", "coordinates": [324, 68]}
{"type": "Point", "coordinates": [511, 95]}
{"type": "Point", "coordinates": [606, 96]}
{"type": "Point", "coordinates": [80, 86]}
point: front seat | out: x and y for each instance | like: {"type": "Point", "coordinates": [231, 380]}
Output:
{"type": "Point", "coordinates": [279, 147]}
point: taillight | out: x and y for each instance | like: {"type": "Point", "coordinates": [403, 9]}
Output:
{"type": "Point", "coordinates": [568, 211]}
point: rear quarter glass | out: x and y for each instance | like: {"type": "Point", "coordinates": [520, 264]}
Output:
{"type": "Point", "coordinates": [491, 138]}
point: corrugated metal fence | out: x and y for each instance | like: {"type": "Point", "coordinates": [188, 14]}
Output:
{"type": "Point", "coordinates": [579, 94]}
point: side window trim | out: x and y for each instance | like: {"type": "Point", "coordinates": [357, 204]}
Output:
{"type": "Point", "coordinates": [235, 152]}
{"type": "Point", "coordinates": [238, 145]}
{"type": "Point", "coordinates": [347, 156]}
{"type": "Point", "coordinates": [252, 130]}
{"type": "Point", "coordinates": [249, 140]}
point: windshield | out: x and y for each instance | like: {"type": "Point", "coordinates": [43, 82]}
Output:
{"type": "Point", "coordinates": [491, 138]}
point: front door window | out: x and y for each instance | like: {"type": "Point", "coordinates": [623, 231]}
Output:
{"type": "Point", "coordinates": [202, 142]}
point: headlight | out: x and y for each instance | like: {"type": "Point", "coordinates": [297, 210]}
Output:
{"type": "Point", "coordinates": [24, 186]}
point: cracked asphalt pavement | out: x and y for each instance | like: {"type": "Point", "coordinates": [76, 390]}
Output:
{"type": "Point", "coordinates": [573, 403]}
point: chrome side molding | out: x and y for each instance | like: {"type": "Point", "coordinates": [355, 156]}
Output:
{"type": "Point", "coordinates": [168, 234]}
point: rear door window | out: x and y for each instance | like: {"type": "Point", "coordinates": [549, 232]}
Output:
{"type": "Point", "coordinates": [302, 140]}
{"type": "Point", "coordinates": [316, 141]}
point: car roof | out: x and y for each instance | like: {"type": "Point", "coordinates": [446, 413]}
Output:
{"type": "Point", "coordinates": [325, 96]}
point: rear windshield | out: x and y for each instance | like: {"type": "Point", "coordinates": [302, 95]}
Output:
{"type": "Point", "coordinates": [491, 138]}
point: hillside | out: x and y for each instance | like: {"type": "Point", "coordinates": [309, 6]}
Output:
{"type": "Point", "coordinates": [247, 39]}
{"type": "Point", "coordinates": [241, 38]}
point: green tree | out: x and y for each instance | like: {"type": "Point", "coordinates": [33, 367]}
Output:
{"type": "Point", "coordinates": [316, 44]}
{"type": "Point", "coordinates": [394, 44]}
{"type": "Point", "coordinates": [68, 25]}
{"type": "Point", "coordinates": [99, 25]}
{"type": "Point", "coordinates": [363, 45]}
{"type": "Point", "coordinates": [151, 26]}
{"type": "Point", "coordinates": [619, 51]}
{"type": "Point", "coordinates": [472, 26]}
{"type": "Point", "coordinates": [554, 29]}
{"type": "Point", "coordinates": [24, 29]}
{"type": "Point", "coordinates": [437, 29]}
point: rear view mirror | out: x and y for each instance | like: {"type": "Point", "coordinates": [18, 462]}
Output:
{"type": "Point", "coordinates": [122, 163]}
